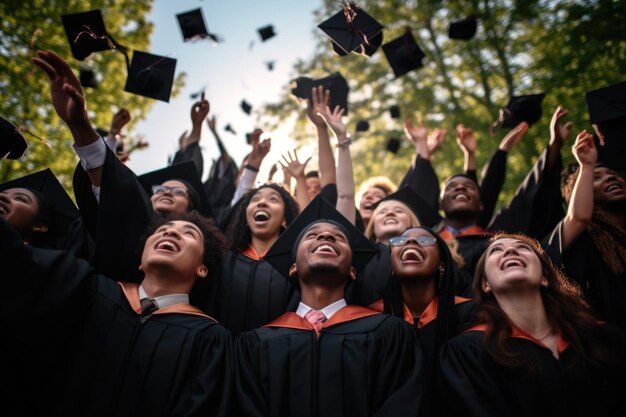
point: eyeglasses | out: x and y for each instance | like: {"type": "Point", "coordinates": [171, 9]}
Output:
{"type": "Point", "coordinates": [177, 191]}
{"type": "Point", "coordinates": [420, 240]}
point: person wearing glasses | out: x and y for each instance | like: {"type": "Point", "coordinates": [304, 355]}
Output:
{"type": "Point", "coordinates": [421, 290]}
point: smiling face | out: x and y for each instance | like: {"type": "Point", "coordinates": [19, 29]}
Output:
{"type": "Point", "coordinates": [608, 187]}
{"type": "Point", "coordinates": [20, 208]}
{"type": "Point", "coordinates": [391, 218]}
{"type": "Point", "coordinates": [412, 259]}
{"type": "Point", "coordinates": [511, 264]}
{"type": "Point", "coordinates": [175, 246]}
{"type": "Point", "coordinates": [370, 197]}
{"type": "Point", "coordinates": [460, 196]}
{"type": "Point", "coordinates": [170, 200]}
{"type": "Point", "coordinates": [265, 214]}
{"type": "Point", "coordinates": [324, 250]}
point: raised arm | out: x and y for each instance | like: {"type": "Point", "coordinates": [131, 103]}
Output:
{"type": "Point", "coordinates": [580, 208]}
{"type": "Point", "coordinates": [467, 142]}
{"type": "Point", "coordinates": [199, 111]}
{"type": "Point", "coordinates": [120, 119]}
{"type": "Point", "coordinates": [321, 99]}
{"type": "Point", "coordinates": [295, 168]}
{"type": "Point", "coordinates": [260, 149]}
{"type": "Point", "coordinates": [558, 135]}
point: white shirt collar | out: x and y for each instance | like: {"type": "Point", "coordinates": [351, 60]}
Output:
{"type": "Point", "coordinates": [328, 311]}
{"type": "Point", "coordinates": [165, 300]}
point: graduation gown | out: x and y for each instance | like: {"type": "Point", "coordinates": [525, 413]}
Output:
{"type": "Point", "coordinates": [193, 152]}
{"type": "Point", "coordinates": [582, 262]}
{"type": "Point", "coordinates": [472, 384]}
{"type": "Point", "coordinates": [362, 364]}
{"type": "Point", "coordinates": [82, 347]}
{"type": "Point", "coordinates": [250, 293]}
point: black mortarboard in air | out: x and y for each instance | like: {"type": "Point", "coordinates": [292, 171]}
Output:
{"type": "Point", "coordinates": [13, 145]}
{"type": "Point", "coordinates": [282, 254]}
{"type": "Point", "coordinates": [404, 54]}
{"type": "Point", "coordinates": [230, 129]}
{"type": "Point", "coordinates": [192, 25]}
{"type": "Point", "coordinates": [188, 175]}
{"type": "Point", "coordinates": [338, 86]}
{"type": "Point", "coordinates": [87, 78]}
{"type": "Point", "coordinates": [151, 76]}
{"type": "Point", "coordinates": [393, 145]}
{"type": "Point", "coordinates": [86, 33]}
{"type": "Point", "coordinates": [196, 95]}
{"type": "Point", "coordinates": [60, 208]}
{"type": "Point", "coordinates": [246, 107]}
{"type": "Point", "coordinates": [394, 111]}
{"type": "Point", "coordinates": [270, 65]}
{"type": "Point", "coordinates": [362, 126]}
{"type": "Point", "coordinates": [266, 32]}
{"type": "Point", "coordinates": [353, 30]}
{"type": "Point", "coordinates": [607, 112]}
{"type": "Point", "coordinates": [424, 212]}
{"type": "Point", "coordinates": [522, 109]}
{"type": "Point", "coordinates": [463, 29]}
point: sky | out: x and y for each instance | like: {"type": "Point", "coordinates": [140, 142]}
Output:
{"type": "Point", "coordinates": [232, 71]}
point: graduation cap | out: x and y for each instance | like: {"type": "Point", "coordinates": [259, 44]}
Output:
{"type": "Point", "coordinates": [192, 25]}
{"type": "Point", "coordinates": [13, 145]}
{"type": "Point", "coordinates": [86, 33]}
{"type": "Point", "coordinates": [393, 145]}
{"type": "Point", "coordinates": [61, 209]}
{"type": "Point", "coordinates": [196, 95]}
{"type": "Point", "coordinates": [353, 30]}
{"type": "Point", "coordinates": [270, 65]}
{"type": "Point", "coordinates": [522, 109]}
{"type": "Point", "coordinates": [362, 126]}
{"type": "Point", "coordinates": [282, 253]}
{"type": "Point", "coordinates": [464, 29]}
{"type": "Point", "coordinates": [338, 86]}
{"type": "Point", "coordinates": [424, 212]}
{"type": "Point", "coordinates": [246, 107]}
{"type": "Point", "coordinates": [230, 129]}
{"type": "Point", "coordinates": [394, 111]}
{"type": "Point", "coordinates": [607, 112]}
{"type": "Point", "coordinates": [151, 76]}
{"type": "Point", "coordinates": [266, 32]}
{"type": "Point", "coordinates": [87, 78]}
{"type": "Point", "coordinates": [404, 54]}
{"type": "Point", "coordinates": [185, 172]}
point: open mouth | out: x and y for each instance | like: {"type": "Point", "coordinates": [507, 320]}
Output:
{"type": "Point", "coordinates": [512, 263]}
{"type": "Point", "coordinates": [613, 187]}
{"type": "Point", "coordinates": [167, 200]}
{"type": "Point", "coordinates": [461, 197]}
{"type": "Point", "coordinates": [261, 216]}
{"type": "Point", "coordinates": [411, 255]}
{"type": "Point", "coordinates": [390, 220]}
{"type": "Point", "coordinates": [167, 245]}
{"type": "Point", "coordinates": [325, 248]}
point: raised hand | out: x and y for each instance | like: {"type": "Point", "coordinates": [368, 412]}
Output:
{"type": "Point", "coordinates": [292, 165]}
{"type": "Point", "coordinates": [559, 132]}
{"type": "Point", "coordinates": [465, 139]}
{"type": "Point", "coordinates": [435, 139]}
{"type": "Point", "coordinates": [415, 134]}
{"type": "Point", "coordinates": [65, 91]}
{"type": "Point", "coordinates": [212, 123]}
{"type": "Point", "coordinates": [333, 119]}
{"type": "Point", "coordinates": [199, 111]}
{"type": "Point", "coordinates": [120, 119]}
{"type": "Point", "coordinates": [320, 99]}
{"type": "Point", "coordinates": [260, 148]}
{"type": "Point", "coordinates": [584, 149]}
{"type": "Point", "coordinates": [513, 137]}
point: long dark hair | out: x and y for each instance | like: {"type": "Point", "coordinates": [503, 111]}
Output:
{"type": "Point", "coordinates": [565, 308]}
{"type": "Point", "coordinates": [447, 321]}
{"type": "Point", "coordinates": [238, 232]}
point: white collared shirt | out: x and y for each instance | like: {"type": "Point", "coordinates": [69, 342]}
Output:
{"type": "Point", "coordinates": [328, 311]}
{"type": "Point", "coordinates": [165, 300]}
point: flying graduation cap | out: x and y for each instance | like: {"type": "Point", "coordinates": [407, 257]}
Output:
{"type": "Point", "coordinates": [230, 129]}
{"type": "Point", "coordinates": [362, 126]}
{"type": "Point", "coordinates": [246, 107]}
{"type": "Point", "coordinates": [353, 30]}
{"type": "Point", "coordinates": [464, 29]}
{"type": "Point", "coordinates": [525, 108]}
{"type": "Point", "coordinates": [338, 86]}
{"type": "Point", "coordinates": [151, 76]}
{"type": "Point", "coordinates": [13, 145]}
{"type": "Point", "coordinates": [393, 145]}
{"type": "Point", "coordinates": [404, 54]}
{"type": "Point", "coordinates": [266, 32]}
{"type": "Point", "coordinates": [282, 253]}
{"type": "Point", "coordinates": [394, 111]}
{"type": "Point", "coordinates": [86, 33]}
{"type": "Point", "coordinates": [607, 112]}
{"type": "Point", "coordinates": [192, 25]}
{"type": "Point", "coordinates": [87, 78]}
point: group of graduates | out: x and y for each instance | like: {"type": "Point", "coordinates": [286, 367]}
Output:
{"type": "Point", "coordinates": [163, 295]}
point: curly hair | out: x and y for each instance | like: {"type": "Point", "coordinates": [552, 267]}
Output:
{"type": "Point", "coordinates": [238, 232]}
{"type": "Point", "coordinates": [213, 239]}
{"type": "Point", "coordinates": [445, 278]}
{"type": "Point", "coordinates": [565, 308]}
{"type": "Point", "coordinates": [381, 182]}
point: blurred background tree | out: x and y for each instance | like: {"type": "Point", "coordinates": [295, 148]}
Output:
{"type": "Point", "coordinates": [560, 47]}
{"type": "Point", "coordinates": [30, 25]}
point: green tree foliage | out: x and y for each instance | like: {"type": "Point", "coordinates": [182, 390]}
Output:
{"type": "Point", "coordinates": [562, 48]}
{"type": "Point", "coordinates": [30, 25]}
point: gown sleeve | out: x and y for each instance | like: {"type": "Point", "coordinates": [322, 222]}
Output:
{"type": "Point", "coordinates": [491, 184]}
{"type": "Point", "coordinates": [250, 399]}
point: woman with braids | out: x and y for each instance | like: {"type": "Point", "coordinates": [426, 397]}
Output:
{"type": "Point", "coordinates": [590, 242]}
{"type": "Point", "coordinates": [535, 349]}
{"type": "Point", "coordinates": [249, 293]}
{"type": "Point", "coordinates": [422, 290]}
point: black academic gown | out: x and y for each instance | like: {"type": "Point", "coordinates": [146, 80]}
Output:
{"type": "Point", "coordinates": [362, 364]}
{"type": "Point", "coordinates": [472, 384]}
{"type": "Point", "coordinates": [221, 189]}
{"type": "Point", "coordinates": [582, 262]}
{"type": "Point", "coordinates": [193, 153]}
{"type": "Point", "coordinates": [82, 349]}
{"type": "Point", "coordinates": [248, 293]}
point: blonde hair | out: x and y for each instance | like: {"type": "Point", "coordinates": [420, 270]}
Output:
{"type": "Point", "coordinates": [381, 182]}
{"type": "Point", "coordinates": [369, 230]}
